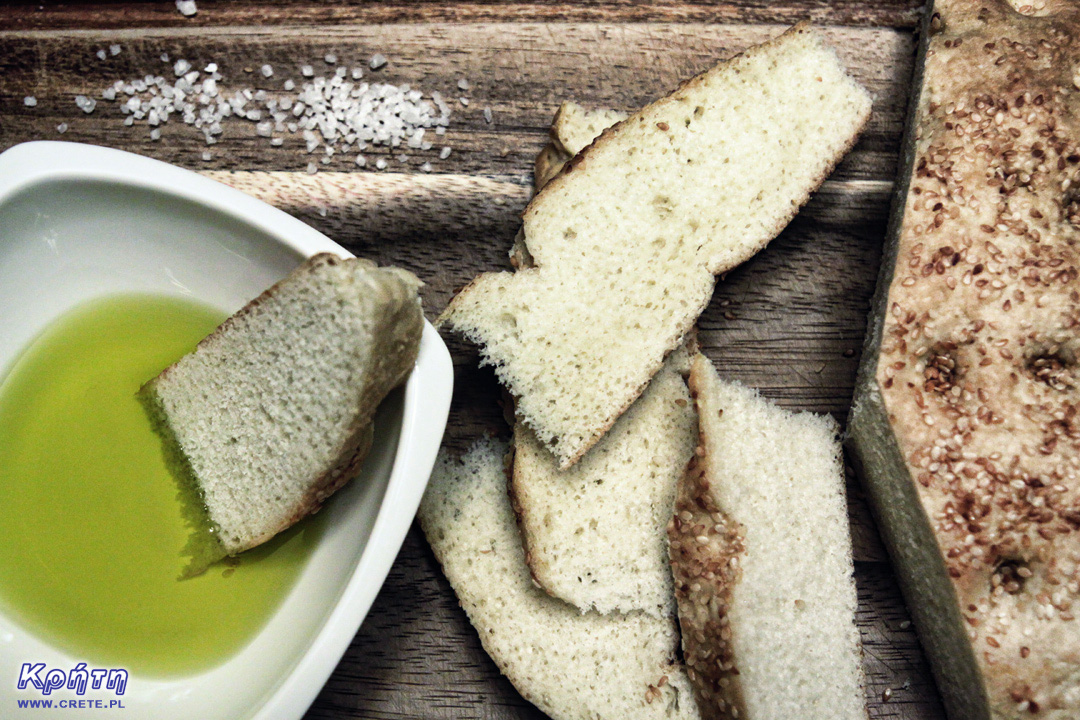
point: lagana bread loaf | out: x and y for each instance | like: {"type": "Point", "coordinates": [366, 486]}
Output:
{"type": "Point", "coordinates": [761, 553]}
{"type": "Point", "coordinates": [272, 413]}
{"type": "Point", "coordinates": [594, 534]}
{"type": "Point", "coordinates": [965, 416]}
{"type": "Point", "coordinates": [625, 243]}
{"type": "Point", "coordinates": [571, 665]}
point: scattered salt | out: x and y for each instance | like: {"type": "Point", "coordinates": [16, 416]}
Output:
{"type": "Point", "coordinates": [487, 115]}
{"type": "Point", "coordinates": [464, 101]}
{"type": "Point", "coordinates": [62, 128]}
{"type": "Point", "coordinates": [330, 58]}
{"type": "Point", "coordinates": [378, 60]}
{"type": "Point", "coordinates": [114, 50]}
{"type": "Point", "coordinates": [155, 134]}
{"type": "Point", "coordinates": [312, 168]}
{"type": "Point", "coordinates": [289, 85]}
{"type": "Point", "coordinates": [187, 8]}
{"type": "Point", "coordinates": [277, 142]}
{"type": "Point", "coordinates": [85, 104]}
{"type": "Point", "coordinates": [444, 153]}
{"type": "Point", "coordinates": [101, 55]}
{"type": "Point", "coordinates": [206, 156]}
{"type": "Point", "coordinates": [463, 84]}
{"type": "Point", "coordinates": [426, 167]}
{"type": "Point", "coordinates": [181, 68]}
{"type": "Point", "coordinates": [307, 71]}
{"type": "Point", "coordinates": [357, 73]}
{"type": "Point", "coordinates": [30, 101]}
{"type": "Point", "coordinates": [267, 71]}
{"type": "Point", "coordinates": [164, 57]}
{"type": "Point", "coordinates": [361, 161]}
{"type": "Point", "coordinates": [380, 163]}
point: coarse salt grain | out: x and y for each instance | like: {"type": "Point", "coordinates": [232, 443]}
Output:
{"type": "Point", "coordinates": [426, 167]}
{"type": "Point", "coordinates": [378, 60]}
{"type": "Point", "coordinates": [62, 128]}
{"type": "Point", "coordinates": [85, 104]}
{"type": "Point", "coordinates": [187, 8]}
{"type": "Point", "coordinates": [114, 49]}
{"type": "Point", "coordinates": [307, 71]}
{"type": "Point", "coordinates": [206, 156]}
{"type": "Point", "coordinates": [101, 54]}
{"type": "Point", "coordinates": [267, 71]}
{"type": "Point", "coordinates": [380, 164]}
{"type": "Point", "coordinates": [332, 112]}
{"type": "Point", "coordinates": [463, 84]}
{"type": "Point", "coordinates": [487, 116]}
{"type": "Point", "coordinates": [312, 168]}
{"type": "Point", "coordinates": [330, 58]}
{"type": "Point", "coordinates": [30, 101]}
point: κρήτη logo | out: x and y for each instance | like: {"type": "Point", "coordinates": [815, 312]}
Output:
{"type": "Point", "coordinates": [36, 676]}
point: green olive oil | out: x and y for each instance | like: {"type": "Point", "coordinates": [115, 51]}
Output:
{"type": "Point", "coordinates": [92, 525]}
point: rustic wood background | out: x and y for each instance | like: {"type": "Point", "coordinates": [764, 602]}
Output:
{"type": "Point", "coordinates": [789, 322]}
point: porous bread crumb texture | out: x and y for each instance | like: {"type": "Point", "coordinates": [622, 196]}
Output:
{"type": "Point", "coordinates": [273, 411]}
{"type": "Point", "coordinates": [571, 665]}
{"type": "Point", "coordinates": [761, 553]}
{"type": "Point", "coordinates": [594, 534]}
{"type": "Point", "coordinates": [980, 342]}
{"type": "Point", "coordinates": [627, 239]}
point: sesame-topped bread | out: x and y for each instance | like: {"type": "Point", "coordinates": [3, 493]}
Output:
{"type": "Point", "coordinates": [761, 554]}
{"type": "Point", "coordinates": [273, 412]}
{"type": "Point", "coordinates": [573, 666]}
{"type": "Point", "coordinates": [624, 243]}
{"type": "Point", "coordinates": [965, 419]}
{"type": "Point", "coordinates": [595, 534]}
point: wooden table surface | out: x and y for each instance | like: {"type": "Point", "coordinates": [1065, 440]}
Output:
{"type": "Point", "coordinates": [789, 322]}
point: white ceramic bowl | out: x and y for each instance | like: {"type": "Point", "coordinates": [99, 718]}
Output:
{"type": "Point", "coordinates": [77, 222]}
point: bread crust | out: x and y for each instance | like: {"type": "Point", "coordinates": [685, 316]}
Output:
{"type": "Point", "coordinates": [961, 425]}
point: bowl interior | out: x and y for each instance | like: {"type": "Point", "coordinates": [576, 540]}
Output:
{"type": "Point", "coordinates": [67, 240]}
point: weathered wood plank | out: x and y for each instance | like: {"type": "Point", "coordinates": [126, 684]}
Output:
{"type": "Point", "coordinates": [520, 71]}
{"type": "Point", "coordinates": [116, 15]}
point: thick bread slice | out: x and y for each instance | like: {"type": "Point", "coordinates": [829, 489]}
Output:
{"type": "Point", "coordinates": [965, 424]}
{"type": "Point", "coordinates": [761, 553]}
{"type": "Point", "coordinates": [570, 665]}
{"type": "Point", "coordinates": [625, 246]}
{"type": "Point", "coordinates": [594, 534]}
{"type": "Point", "coordinates": [272, 412]}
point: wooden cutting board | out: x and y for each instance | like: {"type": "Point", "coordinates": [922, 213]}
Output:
{"type": "Point", "coordinates": [789, 322]}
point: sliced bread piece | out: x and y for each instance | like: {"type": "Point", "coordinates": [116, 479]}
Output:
{"type": "Point", "coordinates": [573, 129]}
{"type": "Point", "coordinates": [594, 534]}
{"type": "Point", "coordinates": [761, 554]}
{"type": "Point", "coordinates": [625, 243]}
{"type": "Point", "coordinates": [570, 665]}
{"type": "Point", "coordinates": [272, 412]}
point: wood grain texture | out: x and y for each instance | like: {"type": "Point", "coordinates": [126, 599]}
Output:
{"type": "Point", "coordinates": [117, 15]}
{"type": "Point", "coordinates": [789, 322]}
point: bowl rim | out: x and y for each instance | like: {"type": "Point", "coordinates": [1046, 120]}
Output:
{"type": "Point", "coordinates": [426, 397]}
